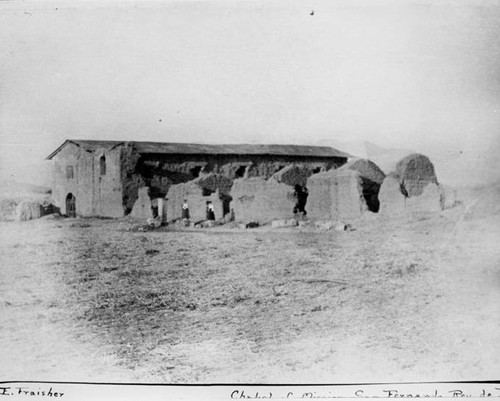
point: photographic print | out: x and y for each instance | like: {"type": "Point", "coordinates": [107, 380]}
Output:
{"type": "Point", "coordinates": [258, 192]}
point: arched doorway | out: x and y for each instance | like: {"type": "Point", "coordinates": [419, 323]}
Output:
{"type": "Point", "coordinates": [71, 205]}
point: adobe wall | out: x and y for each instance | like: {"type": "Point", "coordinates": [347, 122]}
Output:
{"type": "Point", "coordinates": [193, 193]}
{"type": "Point", "coordinates": [428, 201]}
{"type": "Point", "coordinates": [214, 182]}
{"type": "Point", "coordinates": [96, 194]}
{"type": "Point", "coordinates": [293, 175]}
{"type": "Point", "coordinates": [108, 199]}
{"type": "Point", "coordinates": [391, 198]}
{"type": "Point", "coordinates": [394, 203]}
{"type": "Point", "coordinates": [413, 188]}
{"type": "Point", "coordinates": [335, 195]}
{"type": "Point", "coordinates": [415, 172]}
{"type": "Point", "coordinates": [142, 207]}
{"type": "Point", "coordinates": [260, 200]}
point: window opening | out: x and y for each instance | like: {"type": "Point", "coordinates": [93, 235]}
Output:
{"type": "Point", "coordinates": [195, 171]}
{"type": "Point", "coordinates": [102, 165]}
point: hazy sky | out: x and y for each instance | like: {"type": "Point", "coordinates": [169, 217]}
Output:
{"type": "Point", "coordinates": [415, 74]}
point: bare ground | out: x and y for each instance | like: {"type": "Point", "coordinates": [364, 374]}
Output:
{"type": "Point", "coordinates": [393, 300]}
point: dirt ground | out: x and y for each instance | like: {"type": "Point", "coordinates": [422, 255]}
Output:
{"type": "Point", "coordinates": [392, 300]}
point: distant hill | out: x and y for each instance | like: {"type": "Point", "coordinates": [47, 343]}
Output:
{"type": "Point", "coordinates": [453, 167]}
{"type": "Point", "coordinates": [385, 158]}
{"type": "Point", "coordinates": [13, 190]}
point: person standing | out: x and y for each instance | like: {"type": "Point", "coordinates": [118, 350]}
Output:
{"type": "Point", "coordinates": [185, 210]}
{"type": "Point", "coordinates": [210, 211]}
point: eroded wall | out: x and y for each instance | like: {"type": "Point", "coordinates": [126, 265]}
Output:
{"type": "Point", "coordinates": [391, 198]}
{"type": "Point", "coordinates": [143, 206]}
{"type": "Point", "coordinates": [293, 175]}
{"type": "Point", "coordinates": [196, 200]}
{"type": "Point", "coordinates": [393, 201]}
{"type": "Point", "coordinates": [260, 200]}
{"type": "Point", "coordinates": [335, 195]}
{"type": "Point", "coordinates": [371, 179]}
{"type": "Point", "coordinates": [108, 199]}
{"type": "Point", "coordinates": [415, 172]}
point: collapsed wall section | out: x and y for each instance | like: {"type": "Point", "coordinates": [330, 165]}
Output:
{"type": "Point", "coordinates": [335, 195]}
{"type": "Point", "coordinates": [293, 175]}
{"type": "Point", "coordinates": [428, 201]}
{"type": "Point", "coordinates": [391, 197]}
{"type": "Point", "coordinates": [215, 182]}
{"type": "Point", "coordinates": [131, 178]}
{"type": "Point", "coordinates": [394, 203]}
{"type": "Point", "coordinates": [197, 202]}
{"type": "Point", "coordinates": [212, 188]}
{"type": "Point", "coordinates": [413, 189]}
{"type": "Point", "coordinates": [142, 206]}
{"type": "Point", "coordinates": [371, 179]}
{"type": "Point", "coordinates": [160, 171]}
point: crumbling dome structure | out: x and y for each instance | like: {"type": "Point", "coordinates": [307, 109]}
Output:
{"type": "Point", "coordinates": [415, 172]}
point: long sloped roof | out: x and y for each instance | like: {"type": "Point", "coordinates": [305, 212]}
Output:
{"type": "Point", "coordinates": [196, 149]}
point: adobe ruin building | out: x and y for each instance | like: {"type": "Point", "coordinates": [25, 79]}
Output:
{"type": "Point", "coordinates": [414, 189]}
{"type": "Point", "coordinates": [103, 178]}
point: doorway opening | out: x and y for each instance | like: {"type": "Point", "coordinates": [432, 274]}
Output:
{"type": "Point", "coordinates": [240, 172]}
{"type": "Point", "coordinates": [301, 195]}
{"type": "Point", "coordinates": [71, 205]}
